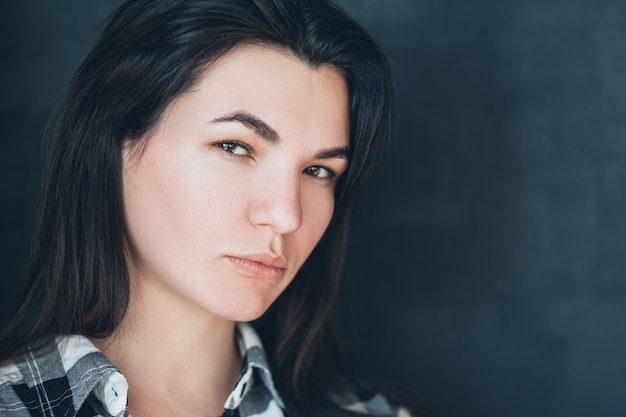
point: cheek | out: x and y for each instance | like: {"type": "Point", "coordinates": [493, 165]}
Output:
{"type": "Point", "coordinates": [318, 210]}
{"type": "Point", "coordinates": [162, 206]}
{"type": "Point", "coordinates": [180, 203]}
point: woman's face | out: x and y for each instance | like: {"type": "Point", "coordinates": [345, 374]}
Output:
{"type": "Point", "coordinates": [235, 186]}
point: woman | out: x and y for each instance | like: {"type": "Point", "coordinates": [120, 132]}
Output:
{"type": "Point", "coordinates": [199, 177]}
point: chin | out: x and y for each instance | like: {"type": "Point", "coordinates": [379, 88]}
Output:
{"type": "Point", "coordinates": [246, 310]}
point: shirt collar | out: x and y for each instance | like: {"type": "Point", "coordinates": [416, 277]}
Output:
{"type": "Point", "coordinates": [253, 359]}
{"type": "Point", "coordinates": [89, 371]}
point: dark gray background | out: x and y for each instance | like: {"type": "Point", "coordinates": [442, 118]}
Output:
{"type": "Point", "coordinates": [487, 270]}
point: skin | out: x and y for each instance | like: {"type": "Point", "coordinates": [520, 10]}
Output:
{"type": "Point", "coordinates": [228, 197]}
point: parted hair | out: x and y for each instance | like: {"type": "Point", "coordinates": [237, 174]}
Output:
{"type": "Point", "coordinates": [149, 53]}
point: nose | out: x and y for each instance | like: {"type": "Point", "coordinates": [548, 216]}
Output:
{"type": "Point", "coordinates": [277, 203]}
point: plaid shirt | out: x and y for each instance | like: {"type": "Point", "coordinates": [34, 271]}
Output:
{"type": "Point", "coordinates": [76, 379]}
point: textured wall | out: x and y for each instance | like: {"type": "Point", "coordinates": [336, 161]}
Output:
{"type": "Point", "coordinates": [41, 44]}
{"type": "Point", "coordinates": [487, 270]}
{"type": "Point", "coordinates": [495, 238]}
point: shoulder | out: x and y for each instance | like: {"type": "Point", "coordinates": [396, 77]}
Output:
{"type": "Point", "coordinates": [24, 378]}
{"type": "Point", "coordinates": [52, 380]}
{"type": "Point", "coordinates": [11, 383]}
{"type": "Point", "coordinates": [368, 403]}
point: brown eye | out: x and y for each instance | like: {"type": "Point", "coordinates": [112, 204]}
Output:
{"type": "Point", "coordinates": [320, 172]}
{"type": "Point", "coordinates": [234, 148]}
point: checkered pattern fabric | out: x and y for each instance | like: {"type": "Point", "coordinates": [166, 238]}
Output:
{"type": "Point", "coordinates": [75, 379]}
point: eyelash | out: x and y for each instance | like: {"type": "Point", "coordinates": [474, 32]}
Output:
{"type": "Point", "coordinates": [229, 147]}
{"type": "Point", "coordinates": [330, 174]}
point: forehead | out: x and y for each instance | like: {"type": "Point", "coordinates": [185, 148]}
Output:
{"type": "Point", "coordinates": [292, 96]}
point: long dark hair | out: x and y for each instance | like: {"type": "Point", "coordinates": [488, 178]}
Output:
{"type": "Point", "coordinates": [150, 52]}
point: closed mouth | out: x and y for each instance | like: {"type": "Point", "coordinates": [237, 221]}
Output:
{"type": "Point", "coordinates": [261, 266]}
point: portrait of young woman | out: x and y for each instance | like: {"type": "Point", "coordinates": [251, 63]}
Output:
{"type": "Point", "coordinates": [198, 182]}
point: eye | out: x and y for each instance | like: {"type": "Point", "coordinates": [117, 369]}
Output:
{"type": "Point", "coordinates": [235, 148]}
{"type": "Point", "coordinates": [320, 172]}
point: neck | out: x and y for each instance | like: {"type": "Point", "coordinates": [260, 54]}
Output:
{"type": "Point", "coordinates": [177, 360]}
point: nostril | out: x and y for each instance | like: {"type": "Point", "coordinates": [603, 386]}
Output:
{"type": "Point", "coordinates": [282, 215]}
{"type": "Point", "coordinates": [278, 203]}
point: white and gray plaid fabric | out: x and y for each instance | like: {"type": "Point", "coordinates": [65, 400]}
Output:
{"type": "Point", "coordinates": [76, 379]}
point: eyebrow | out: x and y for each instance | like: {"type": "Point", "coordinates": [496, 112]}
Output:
{"type": "Point", "coordinates": [265, 131]}
{"type": "Point", "coordinates": [342, 152]}
{"type": "Point", "coordinates": [252, 122]}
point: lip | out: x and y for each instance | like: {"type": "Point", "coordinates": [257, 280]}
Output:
{"type": "Point", "coordinates": [268, 267]}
